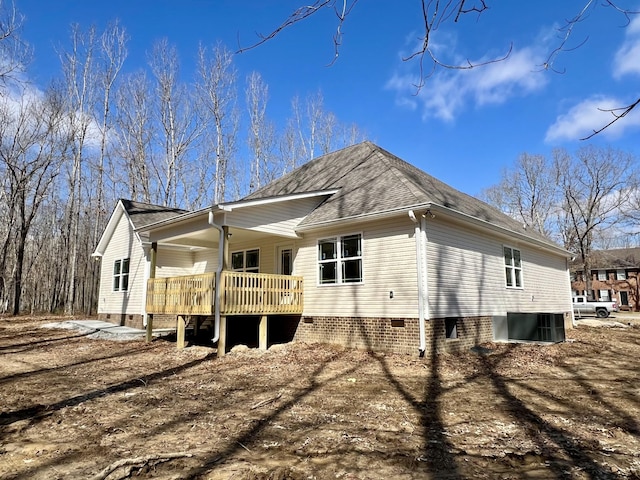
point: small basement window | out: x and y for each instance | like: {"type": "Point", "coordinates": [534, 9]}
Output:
{"type": "Point", "coordinates": [451, 328]}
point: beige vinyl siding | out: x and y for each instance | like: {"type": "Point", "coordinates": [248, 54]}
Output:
{"type": "Point", "coordinates": [279, 218]}
{"type": "Point", "coordinates": [123, 244]}
{"type": "Point", "coordinates": [205, 261]}
{"type": "Point", "coordinates": [174, 262]}
{"type": "Point", "coordinates": [466, 274]}
{"type": "Point", "coordinates": [389, 264]}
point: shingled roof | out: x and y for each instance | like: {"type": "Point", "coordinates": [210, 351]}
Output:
{"type": "Point", "coordinates": [142, 214]}
{"type": "Point", "coordinates": [613, 258]}
{"type": "Point", "coordinates": [371, 180]}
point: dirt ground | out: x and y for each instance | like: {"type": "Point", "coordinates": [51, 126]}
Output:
{"type": "Point", "coordinates": [72, 405]}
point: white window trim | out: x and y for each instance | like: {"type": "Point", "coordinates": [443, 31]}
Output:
{"type": "Point", "coordinates": [621, 272]}
{"type": "Point", "coordinates": [244, 259]}
{"type": "Point", "coordinates": [120, 275]}
{"type": "Point", "coordinates": [513, 269]}
{"type": "Point", "coordinates": [338, 259]}
{"type": "Point", "coordinates": [602, 275]}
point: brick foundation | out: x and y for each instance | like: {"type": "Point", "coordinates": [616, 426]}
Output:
{"type": "Point", "coordinates": [136, 320]}
{"type": "Point", "coordinates": [394, 335]}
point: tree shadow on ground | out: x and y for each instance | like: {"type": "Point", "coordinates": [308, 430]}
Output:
{"type": "Point", "coordinates": [561, 451]}
{"type": "Point", "coordinates": [18, 347]}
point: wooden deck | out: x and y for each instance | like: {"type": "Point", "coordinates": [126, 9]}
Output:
{"type": "Point", "coordinates": [242, 294]}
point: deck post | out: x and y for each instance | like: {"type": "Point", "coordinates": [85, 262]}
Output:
{"type": "Point", "coordinates": [196, 324]}
{"type": "Point", "coordinates": [262, 332]}
{"type": "Point", "coordinates": [181, 331]}
{"type": "Point", "coordinates": [152, 274]}
{"type": "Point", "coordinates": [222, 341]}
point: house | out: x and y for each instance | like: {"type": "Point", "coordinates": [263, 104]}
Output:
{"type": "Point", "coordinates": [356, 247]}
{"type": "Point", "coordinates": [614, 277]}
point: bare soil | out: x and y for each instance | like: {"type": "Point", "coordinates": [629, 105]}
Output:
{"type": "Point", "coordinates": [72, 405]}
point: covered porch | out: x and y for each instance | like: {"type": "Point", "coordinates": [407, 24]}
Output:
{"type": "Point", "coordinates": [219, 264]}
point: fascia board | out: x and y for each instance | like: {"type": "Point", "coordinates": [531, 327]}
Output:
{"type": "Point", "coordinates": [110, 228]}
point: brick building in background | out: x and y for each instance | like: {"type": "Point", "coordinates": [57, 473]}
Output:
{"type": "Point", "coordinates": [614, 277]}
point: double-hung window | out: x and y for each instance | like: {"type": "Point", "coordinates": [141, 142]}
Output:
{"type": "Point", "coordinates": [246, 261]}
{"type": "Point", "coordinates": [121, 275]}
{"type": "Point", "coordinates": [340, 259]}
{"type": "Point", "coordinates": [512, 267]}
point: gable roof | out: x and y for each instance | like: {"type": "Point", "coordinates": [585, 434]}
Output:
{"type": "Point", "coordinates": [371, 180]}
{"type": "Point", "coordinates": [138, 213]}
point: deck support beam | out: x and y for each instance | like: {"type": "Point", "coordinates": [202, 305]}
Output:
{"type": "Point", "coordinates": [182, 327]}
{"type": "Point", "coordinates": [222, 341]}
{"type": "Point", "coordinates": [262, 332]}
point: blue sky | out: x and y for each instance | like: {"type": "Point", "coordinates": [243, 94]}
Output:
{"type": "Point", "coordinates": [463, 127]}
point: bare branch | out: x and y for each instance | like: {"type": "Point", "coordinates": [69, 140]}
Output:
{"type": "Point", "coordinates": [616, 116]}
{"type": "Point", "coordinates": [300, 14]}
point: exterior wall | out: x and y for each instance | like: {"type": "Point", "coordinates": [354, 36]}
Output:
{"type": "Point", "coordinates": [466, 275]}
{"type": "Point", "coordinates": [172, 262]}
{"type": "Point", "coordinates": [205, 261]}
{"type": "Point", "coordinates": [389, 265]}
{"type": "Point", "coordinates": [393, 335]}
{"type": "Point", "coordinates": [123, 244]}
{"type": "Point", "coordinates": [276, 218]}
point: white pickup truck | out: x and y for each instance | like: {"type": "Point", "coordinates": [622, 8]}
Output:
{"type": "Point", "coordinates": [602, 309]}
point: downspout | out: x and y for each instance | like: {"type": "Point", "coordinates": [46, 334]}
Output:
{"type": "Point", "coordinates": [420, 225]}
{"type": "Point", "coordinates": [222, 239]}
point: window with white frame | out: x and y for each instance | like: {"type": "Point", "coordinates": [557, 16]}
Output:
{"type": "Point", "coordinates": [512, 267]}
{"type": "Point", "coordinates": [621, 274]}
{"type": "Point", "coordinates": [340, 259]}
{"type": "Point", "coordinates": [602, 275]}
{"type": "Point", "coordinates": [246, 261]}
{"type": "Point", "coordinates": [121, 275]}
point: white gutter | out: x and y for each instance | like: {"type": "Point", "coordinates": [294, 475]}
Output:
{"type": "Point", "coordinates": [222, 239]}
{"type": "Point", "coordinates": [420, 226]}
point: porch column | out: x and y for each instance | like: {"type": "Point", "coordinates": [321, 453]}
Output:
{"type": "Point", "coordinates": [222, 341]}
{"type": "Point", "coordinates": [262, 332]}
{"type": "Point", "coordinates": [225, 257]}
{"type": "Point", "coordinates": [152, 274]}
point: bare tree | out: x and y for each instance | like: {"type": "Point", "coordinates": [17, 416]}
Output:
{"type": "Point", "coordinates": [261, 134]}
{"type": "Point", "coordinates": [14, 52]}
{"type": "Point", "coordinates": [528, 192]}
{"type": "Point", "coordinates": [134, 135]}
{"type": "Point", "coordinates": [30, 161]}
{"type": "Point", "coordinates": [111, 56]}
{"type": "Point", "coordinates": [79, 82]}
{"type": "Point", "coordinates": [216, 88]}
{"type": "Point", "coordinates": [596, 185]}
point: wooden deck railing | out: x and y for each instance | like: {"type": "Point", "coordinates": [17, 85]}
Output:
{"type": "Point", "coordinates": [185, 295]}
{"type": "Point", "coordinates": [260, 293]}
{"type": "Point", "coordinates": [242, 294]}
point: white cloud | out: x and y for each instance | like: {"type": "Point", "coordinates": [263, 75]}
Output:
{"type": "Point", "coordinates": [448, 91]}
{"type": "Point", "coordinates": [627, 59]}
{"type": "Point", "coordinates": [589, 115]}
